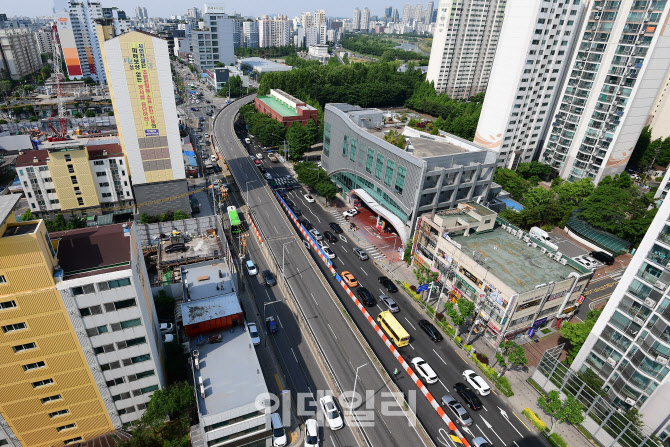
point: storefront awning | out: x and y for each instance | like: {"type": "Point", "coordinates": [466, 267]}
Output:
{"type": "Point", "coordinates": [394, 220]}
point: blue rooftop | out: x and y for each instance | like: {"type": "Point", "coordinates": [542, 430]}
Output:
{"type": "Point", "coordinates": [513, 204]}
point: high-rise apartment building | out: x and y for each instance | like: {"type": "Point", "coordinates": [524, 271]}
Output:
{"type": "Point", "coordinates": [617, 69]}
{"type": "Point", "coordinates": [44, 37]}
{"type": "Point", "coordinates": [319, 18]}
{"type": "Point", "coordinates": [464, 45]}
{"type": "Point", "coordinates": [365, 19]}
{"type": "Point", "coordinates": [388, 11]}
{"type": "Point", "coordinates": [274, 32]}
{"type": "Point", "coordinates": [194, 13]}
{"type": "Point", "coordinates": [306, 19]}
{"type": "Point", "coordinates": [356, 21]}
{"type": "Point", "coordinates": [215, 41]}
{"type": "Point", "coordinates": [78, 176]}
{"type": "Point", "coordinates": [146, 117]}
{"type": "Point", "coordinates": [81, 350]}
{"type": "Point", "coordinates": [530, 63]}
{"type": "Point", "coordinates": [417, 13]}
{"type": "Point", "coordinates": [659, 117]}
{"type": "Point", "coordinates": [19, 54]}
{"type": "Point", "coordinates": [250, 33]}
{"type": "Point", "coordinates": [428, 12]}
{"type": "Point", "coordinates": [311, 36]}
{"type": "Point", "coordinates": [407, 14]}
{"type": "Point", "coordinates": [141, 13]}
{"type": "Point", "coordinates": [629, 345]}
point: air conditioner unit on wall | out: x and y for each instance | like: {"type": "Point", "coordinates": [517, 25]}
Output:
{"type": "Point", "coordinates": [660, 285]}
{"type": "Point", "coordinates": [649, 302]}
{"type": "Point", "coordinates": [611, 361]}
{"type": "Point", "coordinates": [662, 360]}
{"type": "Point", "coordinates": [638, 320]}
{"type": "Point", "coordinates": [563, 261]}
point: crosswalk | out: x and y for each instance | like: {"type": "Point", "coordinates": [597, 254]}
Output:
{"type": "Point", "coordinates": [370, 249]}
{"type": "Point", "coordinates": [285, 181]}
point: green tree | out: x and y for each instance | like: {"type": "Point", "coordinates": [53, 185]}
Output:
{"type": "Point", "coordinates": [78, 114]}
{"type": "Point", "coordinates": [180, 215]}
{"type": "Point", "coordinates": [576, 333]}
{"type": "Point", "coordinates": [510, 354]}
{"type": "Point", "coordinates": [110, 113]}
{"type": "Point", "coordinates": [407, 255]}
{"type": "Point", "coordinates": [312, 132]}
{"type": "Point", "coordinates": [424, 275]}
{"type": "Point", "coordinates": [32, 118]}
{"type": "Point", "coordinates": [326, 188]}
{"type": "Point", "coordinates": [27, 216]}
{"type": "Point", "coordinates": [167, 413]}
{"type": "Point", "coordinates": [59, 223]}
{"type": "Point", "coordinates": [345, 59]}
{"type": "Point", "coordinates": [534, 169]}
{"type": "Point", "coordinates": [538, 197]}
{"type": "Point", "coordinates": [298, 141]}
{"type": "Point", "coordinates": [90, 113]}
{"type": "Point", "coordinates": [164, 304]}
{"type": "Point", "coordinates": [568, 410]}
{"type": "Point", "coordinates": [460, 312]}
{"type": "Point", "coordinates": [235, 85]}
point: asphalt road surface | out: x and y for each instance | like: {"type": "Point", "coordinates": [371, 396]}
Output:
{"type": "Point", "coordinates": [340, 345]}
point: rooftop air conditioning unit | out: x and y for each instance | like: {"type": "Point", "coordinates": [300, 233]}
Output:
{"type": "Point", "coordinates": [526, 239]}
{"type": "Point", "coordinates": [611, 361]}
{"type": "Point", "coordinates": [558, 256]}
{"type": "Point", "coordinates": [544, 250]}
{"type": "Point", "coordinates": [533, 244]}
{"type": "Point", "coordinates": [519, 234]}
{"type": "Point", "coordinates": [504, 227]}
{"type": "Point", "coordinates": [563, 261]}
{"type": "Point", "coordinates": [660, 285]}
{"type": "Point", "coordinates": [649, 302]}
{"type": "Point", "coordinates": [550, 255]}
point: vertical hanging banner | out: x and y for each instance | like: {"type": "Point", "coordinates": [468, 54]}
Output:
{"type": "Point", "coordinates": [140, 66]}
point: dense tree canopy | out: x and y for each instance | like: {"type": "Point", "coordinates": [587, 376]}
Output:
{"type": "Point", "coordinates": [268, 131]}
{"type": "Point", "coordinates": [576, 333]}
{"type": "Point", "coordinates": [265, 52]}
{"type": "Point", "coordinates": [367, 85]}
{"type": "Point", "coordinates": [315, 177]}
{"type": "Point", "coordinates": [648, 153]}
{"type": "Point", "coordinates": [454, 116]}
{"type": "Point", "coordinates": [377, 46]}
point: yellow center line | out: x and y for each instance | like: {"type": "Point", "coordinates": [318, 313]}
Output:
{"type": "Point", "coordinates": [279, 385]}
{"type": "Point", "coordinates": [461, 357]}
{"type": "Point", "coordinates": [494, 391]}
{"type": "Point", "coordinates": [524, 424]}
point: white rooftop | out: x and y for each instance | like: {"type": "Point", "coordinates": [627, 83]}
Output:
{"type": "Point", "coordinates": [209, 292]}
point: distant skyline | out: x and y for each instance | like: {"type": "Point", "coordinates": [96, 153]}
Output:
{"type": "Point", "coordinates": [167, 8]}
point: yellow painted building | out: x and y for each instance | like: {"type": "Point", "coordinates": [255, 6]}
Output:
{"type": "Point", "coordinates": [48, 396]}
{"type": "Point", "coordinates": [71, 173]}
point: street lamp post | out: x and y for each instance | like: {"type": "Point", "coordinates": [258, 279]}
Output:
{"type": "Point", "coordinates": [285, 150]}
{"type": "Point", "coordinates": [353, 392]}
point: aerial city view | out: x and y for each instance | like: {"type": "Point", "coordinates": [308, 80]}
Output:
{"type": "Point", "coordinates": [265, 224]}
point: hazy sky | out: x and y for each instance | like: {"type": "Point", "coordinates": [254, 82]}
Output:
{"type": "Point", "coordinates": [166, 8]}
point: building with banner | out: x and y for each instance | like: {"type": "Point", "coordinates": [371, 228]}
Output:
{"type": "Point", "coordinates": [146, 116]}
{"type": "Point", "coordinates": [518, 283]}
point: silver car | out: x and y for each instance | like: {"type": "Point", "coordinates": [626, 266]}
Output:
{"type": "Point", "coordinates": [462, 415]}
{"type": "Point", "coordinates": [392, 306]}
{"type": "Point", "coordinates": [362, 255]}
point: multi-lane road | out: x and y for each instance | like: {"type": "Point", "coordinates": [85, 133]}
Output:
{"type": "Point", "coordinates": [496, 422]}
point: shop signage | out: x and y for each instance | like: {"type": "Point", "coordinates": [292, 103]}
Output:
{"type": "Point", "coordinates": [450, 240]}
{"type": "Point", "coordinates": [466, 285]}
{"type": "Point", "coordinates": [492, 327]}
{"type": "Point", "coordinates": [569, 309]}
{"type": "Point", "coordinates": [422, 262]}
{"type": "Point", "coordinates": [581, 299]}
{"type": "Point", "coordinates": [470, 276]}
{"type": "Point", "coordinates": [540, 322]}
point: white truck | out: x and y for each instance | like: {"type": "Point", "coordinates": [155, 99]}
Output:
{"type": "Point", "coordinates": [539, 233]}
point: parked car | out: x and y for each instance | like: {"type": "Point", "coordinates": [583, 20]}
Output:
{"type": "Point", "coordinates": [267, 175]}
{"type": "Point", "coordinates": [388, 283]}
{"type": "Point", "coordinates": [256, 162]}
{"type": "Point", "coordinates": [247, 140]}
{"type": "Point", "coordinates": [311, 433]}
{"type": "Point", "coordinates": [350, 213]}
{"type": "Point", "coordinates": [168, 338]}
{"type": "Point", "coordinates": [315, 233]}
{"type": "Point", "coordinates": [476, 382]}
{"type": "Point", "coordinates": [390, 304]}
{"type": "Point", "coordinates": [251, 268]}
{"type": "Point", "coordinates": [271, 324]}
{"type": "Point", "coordinates": [362, 255]}
{"type": "Point", "coordinates": [349, 279]}
{"type": "Point", "coordinates": [481, 442]}
{"type": "Point", "coordinates": [309, 198]}
{"type": "Point", "coordinates": [259, 156]}
{"type": "Point", "coordinates": [462, 415]}
{"type": "Point", "coordinates": [603, 257]}
{"type": "Point", "coordinates": [289, 202]}
{"type": "Point", "coordinates": [296, 210]}
{"type": "Point", "coordinates": [424, 370]}
{"type": "Point", "coordinates": [262, 169]}
{"type": "Point", "coordinates": [269, 278]}
{"type": "Point", "coordinates": [335, 227]}
{"type": "Point", "coordinates": [431, 330]}
{"type": "Point", "coordinates": [279, 438]}
{"type": "Point", "coordinates": [253, 332]}
{"type": "Point", "coordinates": [468, 396]}
{"type": "Point", "coordinates": [328, 252]}
{"type": "Point", "coordinates": [365, 296]}
{"type": "Point", "coordinates": [166, 328]}
{"type": "Point", "coordinates": [330, 237]}
{"type": "Point", "coordinates": [173, 248]}
{"type": "Point", "coordinates": [307, 224]}
{"type": "Point", "coordinates": [331, 413]}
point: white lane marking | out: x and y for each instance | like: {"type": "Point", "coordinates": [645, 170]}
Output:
{"type": "Point", "coordinates": [282, 326]}
{"type": "Point", "coordinates": [317, 303]}
{"type": "Point", "coordinates": [438, 356]}
{"type": "Point", "coordinates": [366, 273]}
{"type": "Point", "coordinates": [504, 414]}
{"type": "Point", "coordinates": [409, 323]}
{"type": "Point", "coordinates": [332, 440]}
{"type": "Point", "coordinates": [331, 330]}
{"type": "Point", "coordinates": [342, 247]}
{"type": "Point", "coordinates": [380, 308]}
{"type": "Point", "coordinates": [410, 345]}
{"type": "Point", "coordinates": [380, 289]}
{"type": "Point", "coordinates": [294, 356]}
{"type": "Point", "coordinates": [484, 407]}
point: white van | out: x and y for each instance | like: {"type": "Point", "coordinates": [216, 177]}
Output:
{"type": "Point", "coordinates": [278, 432]}
{"type": "Point", "coordinates": [213, 157]}
{"type": "Point", "coordinates": [539, 233]}
{"type": "Point", "coordinates": [247, 140]}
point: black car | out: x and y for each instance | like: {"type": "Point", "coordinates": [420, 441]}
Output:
{"type": "Point", "coordinates": [330, 237]}
{"type": "Point", "coordinates": [282, 194]}
{"type": "Point", "coordinates": [269, 278]}
{"type": "Point", "coordinates": [468, 396]}
{"type": "Point", "coordinates": [296, 210]}
{"type": "Point", "coordinates": [335, 227]}
{"type": "Point", "coordinates": [384, 281]}
{"type": "Point", "coordinates": [262, 169]}
{"type": "Point", "coordinates": [289, 202]}
{"type": "Point", "coordinates": [366, 296]}
{"type": "Point", "coordinates": [431, 330]}
{"type": "Point", "coordinates": [307, 224]}
{"type": "Point", "coordinates": [173, 248]}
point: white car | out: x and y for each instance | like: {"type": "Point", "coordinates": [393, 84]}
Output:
{"type": "Point", "coordinates": [315, 233]}
{"type": "Point", "coordinates": [251, 268]}
{"type": "Point", "coordinates": [424, 370]}
{"type": "Point", "coordinates": [206, 135]}
{"type": "Point", "coordinates": [166, 328]}
{"type": "Point", "coordinates": [477, 383]}
{"type": "Point", "coordinates": [332, 414]}
{"type": "Point", "coordinates": [350, 213]}
{"type": "Point", "coordinates": [268, 176]}
{"type": "Point", "coordinates": [168, 338]}
{"type": "Point", "coordinates": [259, 156]}
{"type": "Point", "coordinates": [309, 198]}
{"type": "Point", "coordinates": [311, 433]}
{"type": "Point", "coordinates": [481, 442]}
{"type": "Point", "coordinates": [279, 438]}
{"type": "Point", "coordinates": [247, 140]}
{"type": "Point", "coordinates": [328, 252]}
{"type": "Point", "coordinates": [252, 158]}
{"type": "Point", "coordinates": [253, 331]}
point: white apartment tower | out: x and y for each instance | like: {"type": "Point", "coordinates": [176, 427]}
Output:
{"type": "Point", "coordinates": [44, 38]}
{"type": "Point", "coordinates": [428, 13]}
{"type": "Point", "coordinates": [464, 45]}
{"type": "Point", "coordinates": [274, 32]}
{"type": "Point", "coordinates": [319, 18]}
{"type": "Point", "coordinates": [250, 33]}
{"type": "Point", "coordinates": [19, 53]}
{"type": "Point", "coordinates": [530, 61]}
{"type": "Point", "coordinates": [306, 19]}
{"type": "Point", "coordinates": [365, 19]}
{"type": "Point", "coordinates": [617, 69]}
{"type": "Point", "coordinates": [356, 21]}
{"type": "Point", "coordinates": [215, 40]}
{"type": "Point", "coordinates": [417, 13]}
{"type": "Point", "coordinates": [629, 346]}
{"type": "Point", "coordinates": [141, 13]}
{"type": "Point", "coordinates": [79, 40]}
{"type": "Point", "coordinates": [407, 14]}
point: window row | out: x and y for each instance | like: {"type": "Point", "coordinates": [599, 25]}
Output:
{"type": "Point", "coordinates": [120, 345]}
{"type": "Point", "coordinates": [126, 362]}
{"type": "Point", "coordinates": [101, 286]}
{"type": "Point", "coordinates": [131, 378]}
{"type": "Point", "coordinates": [135, 393]}
{"type": "Point", "coordinates": [109, 307]}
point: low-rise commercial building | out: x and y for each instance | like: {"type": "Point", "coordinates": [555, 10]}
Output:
{"type": "Point", "coordinates": [86, 176]}
{"type": "Point", "coordinates": [260, 65]}
{"type": "Point", "coordinates": [218, 77]}
{"type": "Point", "coordinates": [319, 53]}
{"type": "Point", "coordinates": [226, 369]}
{"type": "Point", "coordinates": [520, 283]}
{"type": "Point", "coordinates": [429, 173]}
{"type": "Point", "coordinates": [285, 108]}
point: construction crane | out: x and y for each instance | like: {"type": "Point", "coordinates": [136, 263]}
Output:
{"type": "Point", "coordinates": [61, 133]}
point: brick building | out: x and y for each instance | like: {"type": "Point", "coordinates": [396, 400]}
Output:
{"type": "Point", "coordinates": [285, 108]}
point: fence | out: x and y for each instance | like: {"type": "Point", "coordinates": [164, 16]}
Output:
{"type": "Point", "coordinates": [149, 234]}
{"type": "Point", "coordinates": [602, 420]}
